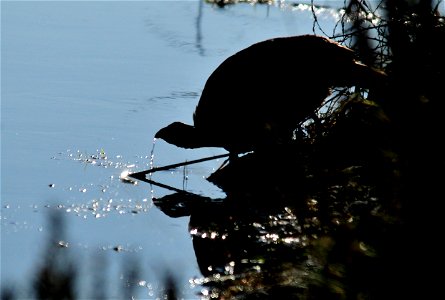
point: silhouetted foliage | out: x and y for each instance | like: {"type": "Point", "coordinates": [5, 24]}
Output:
{"type": "Point", "coordinates": [170, 288]}
{"type": "Point", "coordinates": [56, 278]}
{"type": "Point", "coordinates": [131, 275]}
{"type": "Point", "coordinates": [350, 209]}
{"type": "Point", "coordinates": [57, 275]}
{"type": "Point", "coordinates": [8, 293]}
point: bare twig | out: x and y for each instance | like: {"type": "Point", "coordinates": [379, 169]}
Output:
{"type": "Point", "coordinates": [141, 175]}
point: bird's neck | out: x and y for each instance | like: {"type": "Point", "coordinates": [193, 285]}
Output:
{"type": "Point", "coordinates": [191, 138]}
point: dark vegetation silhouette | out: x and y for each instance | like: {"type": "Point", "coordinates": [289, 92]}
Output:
{"type": "Point", "coordinates": [350, 209]}
{"type": "Point", "coordinates": [57, 275]}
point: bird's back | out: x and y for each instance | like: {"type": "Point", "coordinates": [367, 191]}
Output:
{"type": "Point", "coordinates": [267, 88]}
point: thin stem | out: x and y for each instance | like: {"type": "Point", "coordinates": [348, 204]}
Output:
{"type": "Point", "coordinates": [141, 175]}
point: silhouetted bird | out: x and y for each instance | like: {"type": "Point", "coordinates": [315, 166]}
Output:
{"type": "Point", "coordinates": [258, 96]}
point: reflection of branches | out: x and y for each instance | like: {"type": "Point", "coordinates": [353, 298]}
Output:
{"type": "Point", "coordinates": [222, 3]}
{"type": "Point", "coordinates": [315, 19]}
{"type": "Point", "coordinates": [199, 29]}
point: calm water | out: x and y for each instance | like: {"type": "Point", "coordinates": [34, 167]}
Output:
{"type": "Point", "coordinates": [85, 85]}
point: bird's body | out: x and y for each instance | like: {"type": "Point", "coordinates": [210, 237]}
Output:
{"type": "Point", "coordinates": [259, 95]}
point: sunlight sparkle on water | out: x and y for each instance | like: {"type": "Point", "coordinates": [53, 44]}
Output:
{"type": "Point", "coordinates": [124, 177]}
{"type": "Point", "coordinates": [63, 244]}
{"type": "Point", "coordinates": [320, 11]}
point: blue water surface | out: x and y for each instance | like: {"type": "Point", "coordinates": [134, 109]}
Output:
{"type": "Point", "coordinates": [85, 86]}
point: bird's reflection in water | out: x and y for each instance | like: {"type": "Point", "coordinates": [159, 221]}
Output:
{"type": "Point", "coordinates": [238, 237]}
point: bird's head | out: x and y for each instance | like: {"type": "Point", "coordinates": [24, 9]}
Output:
{"type": "Point", "coordinates": [178, 134]}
